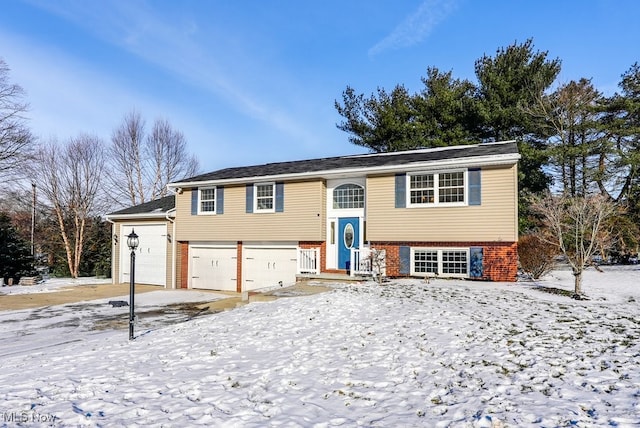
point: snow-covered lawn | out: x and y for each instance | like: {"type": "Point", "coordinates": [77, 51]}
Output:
{"type": "Point", "coordinates": [52, 285]}
{"type": "Point", "coordinates": [447, 353]}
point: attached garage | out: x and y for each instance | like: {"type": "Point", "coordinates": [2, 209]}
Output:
{"type": "Point", "coordinates": [268, 265]}
{"type": "Point", "coordinates": [213, 267]}
{"type": "Point", "coordinates": [154, 223]}
{"type": "Point", "coordinates": [151, 255]}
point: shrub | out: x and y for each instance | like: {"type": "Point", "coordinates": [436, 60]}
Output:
{"type": "Point", "coordinates": [536, 255]}
{"type": "Point", "coordinates": [15, 257]}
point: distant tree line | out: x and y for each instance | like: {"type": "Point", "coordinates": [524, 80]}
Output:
{"type": "Point", "coordinates": [77, 181]}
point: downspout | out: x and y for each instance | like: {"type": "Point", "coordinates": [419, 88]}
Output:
{"type": "Point", "coordinates": [173, 247]}
{"type": "Point", "coordinates": [113, 265]}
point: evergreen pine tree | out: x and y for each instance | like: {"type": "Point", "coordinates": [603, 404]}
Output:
{"type": "Point", "coordinates": [15, 257]}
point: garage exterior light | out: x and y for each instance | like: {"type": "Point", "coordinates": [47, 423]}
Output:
{"type": "Point", "coordinates": [132, 240]}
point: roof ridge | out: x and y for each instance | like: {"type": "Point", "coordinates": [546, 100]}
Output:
{"type": "Point", "coordinates": [428, 149]}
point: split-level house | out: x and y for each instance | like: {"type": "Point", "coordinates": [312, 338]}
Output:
{"type": "Point", "coordinates": [448, 212]}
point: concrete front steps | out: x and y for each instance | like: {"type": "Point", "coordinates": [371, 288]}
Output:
{"type": "Point", "coordinates": [331, 276]}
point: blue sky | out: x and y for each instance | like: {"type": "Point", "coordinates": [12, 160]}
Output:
{"type": "Point", "coordinates": [255, 81]}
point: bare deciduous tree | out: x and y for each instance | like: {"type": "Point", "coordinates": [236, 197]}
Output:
{"type": "Point", "coordinates": [15, 137]}
{"type": "Point", "coordinates": [378, 260]}
{"type": "Point", "coordinates": [145, 164]}
{"type": "Point", "coordinates": [126, 153]}
{"type": "Point", "coordinates": [166, 151]}
{"type": "Point", "coordinates": [69, 178]}
{"type": "Point", "coordinates": [577, 225]}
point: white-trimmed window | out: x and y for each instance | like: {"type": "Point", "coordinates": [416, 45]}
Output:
{"type": "Point", "coordinates": [440, 261]}
{"type": "Point", "coordinates": [264, 197]}
{"type": "Point", "coordinates": [348, 196]}
{"type": "Point", "coordinates": [455, 262]}
{"type": "Point", "coordinates": [207, 200]}
{"type": "Point", "coordinates": [425, 261]}
{"type": "Point", "coordinates": [438, 188]}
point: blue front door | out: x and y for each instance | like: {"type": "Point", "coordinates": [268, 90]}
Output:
{"type": "Point", "coordinates": [348, 237]}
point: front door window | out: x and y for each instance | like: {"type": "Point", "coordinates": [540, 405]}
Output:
{"type": "Point", "coordinates": [348, 236]}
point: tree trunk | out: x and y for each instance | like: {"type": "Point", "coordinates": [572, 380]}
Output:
{"type": "Point", "coordinates": [577, 275]}
{"type": "Point", "coordinates": [64, 235]}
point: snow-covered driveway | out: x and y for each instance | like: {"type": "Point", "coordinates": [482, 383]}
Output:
{"type": "Point", "coordinates": [449, 353]}
{"type": "Point", "coordinates": [45, 327]}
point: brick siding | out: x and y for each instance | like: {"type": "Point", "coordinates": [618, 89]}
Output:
{"type": "Point", "coordinates": [184, 265]}
{"type": "Point", "coordinates": [239, 267]}
{"type": "Point", "coordinates": [499, 259]}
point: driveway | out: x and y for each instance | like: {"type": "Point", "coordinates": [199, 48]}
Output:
{"type": "Point", "coordinates": [41, 320]}
{"type": "Point", "coordinates": [72, 294]}
{"type": "Point", "coordinates": [83, 293]}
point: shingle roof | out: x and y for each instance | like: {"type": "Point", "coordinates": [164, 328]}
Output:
{"type": "Point", "coordinates": [357, 161]}
{"type": "Point", "coordinates": [158, 206]}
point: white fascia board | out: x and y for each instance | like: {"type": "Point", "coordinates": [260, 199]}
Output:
{"type": "Point", "coordinates": [142, 216]}
{"type": "Point", "coordinates": [494, 160]}
{"type": "Point", "coordinates": [474, 162]}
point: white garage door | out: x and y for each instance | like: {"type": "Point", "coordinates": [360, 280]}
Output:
{"type": "Point", "coordinates": [151, 255]}
{"type": "Point", "coordinates": [214, 268]}
{"type": "Point", "coordinates": [268, 266]}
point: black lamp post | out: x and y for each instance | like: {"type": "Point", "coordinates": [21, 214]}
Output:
{"type": "Point", "coordinates": [132, 242]}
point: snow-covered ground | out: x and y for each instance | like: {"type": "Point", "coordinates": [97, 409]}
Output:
{"type": "Point", "coordinates": [408, 353]}
{"type": "Point", "coordinates": [51, 326]}
{"type": "Point", "coordinates": [52, 285]}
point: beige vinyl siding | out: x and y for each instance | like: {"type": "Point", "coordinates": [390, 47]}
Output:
{"type": "Point", "coordinates": [301, 220]}
{"type": "Point", "coordinates": [115, 254]}
{"type": "Point", "coordinates": [494, 220]}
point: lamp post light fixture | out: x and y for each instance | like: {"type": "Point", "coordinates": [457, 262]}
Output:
{"type": "Point", "coordinates": [132, 242]}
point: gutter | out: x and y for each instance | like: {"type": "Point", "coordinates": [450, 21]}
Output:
{"type": "Point", "coordinates": [173, 246]}
{"type": "Point", "coordinates": [160, 215]}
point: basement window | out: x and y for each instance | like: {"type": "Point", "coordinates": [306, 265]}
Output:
{"type": "Point", "coordinates": [451, 262]}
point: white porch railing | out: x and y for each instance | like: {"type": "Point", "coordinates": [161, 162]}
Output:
{"type": "Point", "coordinates": [368, 261]}
{"type": "Point", "coordinates": [360, 261]}
{"type": "Point", "coordinates": [364, 261]}
{"type": "Point", "coordinates": [308, 260]}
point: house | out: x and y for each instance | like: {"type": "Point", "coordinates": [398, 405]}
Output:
{"type": "Point", "coordinates": [450, 211]}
